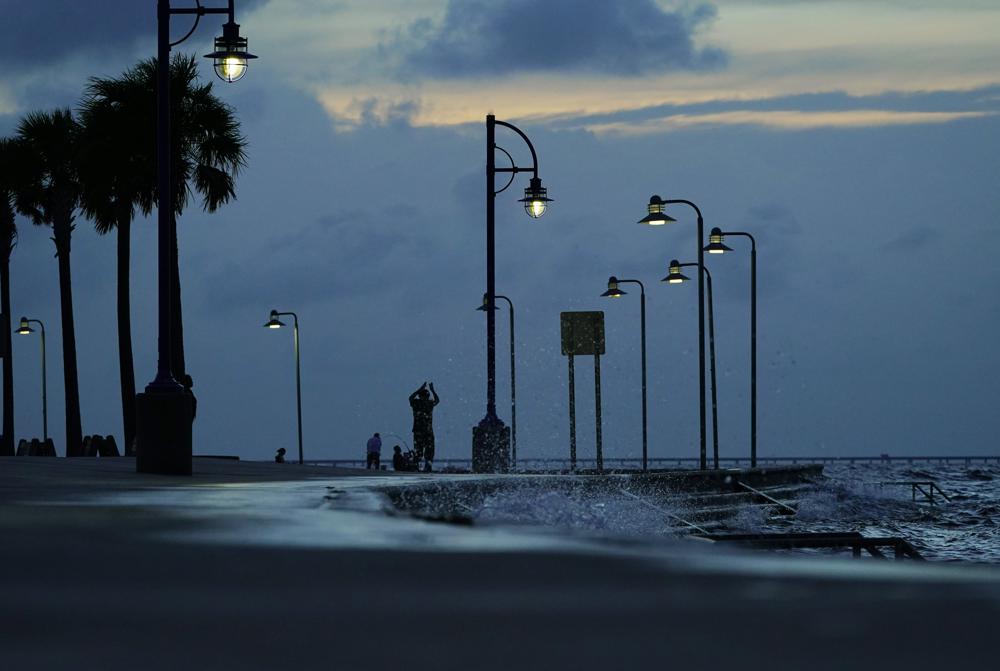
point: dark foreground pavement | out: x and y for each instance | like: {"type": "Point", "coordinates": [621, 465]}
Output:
{"type": "Point", "coordinates": [100, 574]}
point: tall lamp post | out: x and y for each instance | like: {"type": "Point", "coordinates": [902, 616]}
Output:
{"type": "Point", "coordinates": [25, 329]}
{"type": "Point", "coordinates": [490, 450]}
{"type": "Point", "coordinates": [513, 386]}
{"type": "Point", "coordinates": [165, 410]}
{"type": "Point", "coordinates": [614, 292]}
{"type": "Point", "coordinates": [674, 276]}
{"type": "Point", "coordinates": [275, 323]}
{"type": "Point", "coordinates": [717, 246]}
{"type": "Point", "coordinates": [657, 216]}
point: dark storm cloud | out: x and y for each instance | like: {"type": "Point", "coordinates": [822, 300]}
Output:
{"type": "Point", "coordinates": [42, 33]}
{"type": "Point", "coordinates": [628, 38]}
{"type": "Point", "coordinates": [349, 248]}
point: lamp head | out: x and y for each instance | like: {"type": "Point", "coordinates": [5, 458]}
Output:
{"type": "Point", "coordinates": [274, 322]}
{"type": "Point", "coordinates": [24, 328]}
{"type": "Point", "coordinates": [613, 290]}
{"type": "Point", "coordinates": [657, 216]}
{"type": "Point", "coordinates": [715, 244]}
{"type": "Point", "coordinates": [230, 54]}
{"type": "Point", "coordinates": [674, 275]}
{"type": "Point", "coordinates": [535, 199]}
{"type": "Point", "coordinates": [485, 306]}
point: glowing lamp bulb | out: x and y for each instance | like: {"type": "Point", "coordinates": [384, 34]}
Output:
{"type": "Point", "coordinates": [231, 68]}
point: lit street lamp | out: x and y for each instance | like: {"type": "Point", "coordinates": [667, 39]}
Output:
{"type": "Point", "coordinates": [658, 217]}
{"type": "Point", "coordinates": [490, 448]}
{"type": "Point", "coordinates": [717, 246]}
{"type": "Point", "coordinates": [25, 329]}
{"type": "Point", "coordinates": [513, 387]}
{"type": "Point", "coordinates": [614, 292]}
{"type": "Point", "coordinates": [674, 276]}
{"type": "Point", "coordinates": [165, 410]}
{"type": "Point", "coordinates": [275, 323]}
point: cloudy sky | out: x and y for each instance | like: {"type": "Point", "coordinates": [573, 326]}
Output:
{"type": "Point", "coordinates": [856, 140]}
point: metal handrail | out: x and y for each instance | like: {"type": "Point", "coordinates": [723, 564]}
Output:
{"type": "Point", "coordinates": [664, 511]}
{"type": "Point", "coordinates": [771, 499]}
{"type": "Point", "coordinates": [918, 486]}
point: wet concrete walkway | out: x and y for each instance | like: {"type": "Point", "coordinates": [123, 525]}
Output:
{"type": "Point", "coordinates": [268, 566]}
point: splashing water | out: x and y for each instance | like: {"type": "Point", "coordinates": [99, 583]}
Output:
{"type": "Point", "coordinates": [854, 498]}
{"type": "Point", "coordinates": [851, 498]}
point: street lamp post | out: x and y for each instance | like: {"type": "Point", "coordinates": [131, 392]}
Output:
{"type": "Point", "coordinates": [614, 292]}
{"type": "Point", "coordinates": [674, 276]}
{"type": "Point", "coordinates": [25, 329]}
{"type": "Point", "coordinates": [275, 323]}
{"type": "Point", "coordinates": [165, 410]}
{"type": "Point", "coordinates": [513, 386]}
{"type": "Point", "coordinates": [490, 449]}
{"type": "Point", "coordinates": [658, 217]}
{"type": "Point", "coordinates": [717, 246]}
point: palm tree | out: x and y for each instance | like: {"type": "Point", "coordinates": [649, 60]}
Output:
{"type": "Point", "coordinates": [49, 197]}
{"type": "Point", "coordinates": [8, 239]}
{"type": "Point", "coordinates": [207, 152]}
{"type": "Point", "coordinates": [113, 184]}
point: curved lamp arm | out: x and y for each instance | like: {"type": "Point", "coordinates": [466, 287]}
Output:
{"type": "Point", "coordinates": [744, 234]}
{"type": "Point", "coordinates": [531, 148]}
{"type": "Point", "coordinates": [642, 287]}
{"type": "Point", "coordinates": [681, 201]}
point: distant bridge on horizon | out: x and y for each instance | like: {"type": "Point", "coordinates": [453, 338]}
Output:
{"type": "Point", "coordinates": [635, 463]}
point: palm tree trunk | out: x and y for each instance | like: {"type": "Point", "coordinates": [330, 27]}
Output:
{"type": "Point", "coordinates": [74, 432]}
{"type": "Point", "coordinates": [176, 318]}
{"type": "Point", "coordinates": [7, 443]}
{"type": "Point", "coordinates": [125, 363]}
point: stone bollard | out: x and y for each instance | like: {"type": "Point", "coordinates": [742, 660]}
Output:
{"type": "Point", "coordinates": [36, 448]}
{"type": "Point", "coordinates": [109, 448]}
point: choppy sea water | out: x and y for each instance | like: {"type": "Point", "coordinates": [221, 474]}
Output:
{"type": "Point", "coordinates": [852, 497]}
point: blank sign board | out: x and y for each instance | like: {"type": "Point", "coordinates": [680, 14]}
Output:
{"type": "Point", "coordinates": [582, 333]}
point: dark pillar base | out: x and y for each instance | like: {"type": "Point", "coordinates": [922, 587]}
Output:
{"type": "Point", "coordinates": [491, 447]}
{"type": "Point", "coordinates": [163, 433]}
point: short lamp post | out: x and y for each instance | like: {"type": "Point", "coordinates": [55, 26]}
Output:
{"type": "Point", "coordinates": [275, 323]}
{"type": "Point", "coordinates": [490, 448]}
{"type": "Point", "coordinates": [657, 216]}
{"type": "Point", "coordinates": [25, 329]}
{"type": "Point", "coordinates": [614, 292]}
{"type": "Point", "coordinates": [717, 246]}
{"type": "Point", "coordinates": [513, 385]}
{"type": "Point", "coordinates": [165, 413]}
{"type": "Point", "coordinates": [674, 276]}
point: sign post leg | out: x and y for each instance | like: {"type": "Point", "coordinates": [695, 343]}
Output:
{"type": "Point", "coordinates": [597, 410]}
{"type": "Point", "coordinates": [572, 415]}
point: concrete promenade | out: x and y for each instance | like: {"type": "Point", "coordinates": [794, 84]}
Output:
{"type": "Point", "coordinates": [277, 566]}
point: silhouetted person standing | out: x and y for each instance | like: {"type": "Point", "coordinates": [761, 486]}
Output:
{"type": "Point", "coordinates": [398, 461]}
{"type": "Point", "coordinates": [423, 423]}
{"type": "Point", "coordinates": [374, 450]}
{"type": "Point", "coordinates": [279, 457]}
